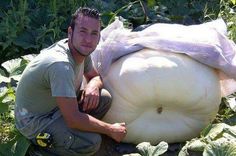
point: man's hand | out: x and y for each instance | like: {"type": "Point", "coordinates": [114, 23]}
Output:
{"type": "Point", "coordinates": [118, 131]}
{"type": "Point", "coordinates": [90, 98]}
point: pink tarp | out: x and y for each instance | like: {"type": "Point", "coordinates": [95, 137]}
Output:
{"type": "Point", "coordinates": [207, 43]}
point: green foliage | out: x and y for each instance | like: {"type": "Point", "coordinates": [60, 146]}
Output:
{"type": "Point", "coordinates": [17, 146]}
{"type": "Point", "coordinates": [218, 141]}
{"type": "Point", "coordinates": [226, 114]}
{"type": "Point", "coordinates": [7, 98]}
{"type": "Point", "coordinates": [12, 142]}
{"type": "Point", "coordinates": [228, 13]}
{"type": "Point", "coordinates": [220, 150]}
{"type": "Point", "coordinates": [189, 11]}
{"type": "Point", "coordinates": [27, 26]}
{"type": "Point", "coordinates": [146, 149]}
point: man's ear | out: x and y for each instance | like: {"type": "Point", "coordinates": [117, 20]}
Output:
{"type": "Point", "coordinates": [69, 32]}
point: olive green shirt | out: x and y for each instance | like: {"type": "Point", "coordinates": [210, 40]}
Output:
{"type": "Point", "coordinates": [53, 73]}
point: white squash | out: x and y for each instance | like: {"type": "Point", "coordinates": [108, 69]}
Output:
{"type": "Point", "coordinates": [162, 96]}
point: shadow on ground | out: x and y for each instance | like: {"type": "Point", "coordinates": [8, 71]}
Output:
{"type": "Point", "coordinates": [111, 148]}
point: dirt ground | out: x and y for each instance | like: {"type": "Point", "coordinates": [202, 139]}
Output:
{"type": "Point", "coordinates": [111, 148]}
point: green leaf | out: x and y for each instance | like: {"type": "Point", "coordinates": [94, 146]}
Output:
{"type": "Point", "coordinates": [3, 106]}
{"type": "Point", "coordinates": [5, 149]}
{"type": "Point", "coordinates": [216, 131]}
{"type": "Point", "coordinates": [2, 73]}
{"type": "Point", "coordinates": [15, 66]}
{"type": "Point", "coordinates": [25, 40]}
{"type": "Point", "coordinates": [4, 79]}
{"type": "Point", "coordinates": [146, 149]}
{"type": "Point", "coordinates": [143, 148]}
{"type": "Point", "coordinates": [233, 1]}
{"type": "Point", "coordinates": [29, 57]}
{"type": "Point", "coordinates": [107, 17]}
{"type": "Point", "coordinates": [151, 3]}
{"type": "Point", "coordinates": [206, 130]}
{"type": "Point", "coordinates": [197, 145]}
{"type": "Point", "coordinates": [217, 149]}
{"type": "Point", "coordinates": [9, 96]}
{"type": "Point", "coordinates": [219, 135]}
{"type": "Point", "coordinates": [232, 103]}
{"type": "Point", "coordinates": [184, 150]}
{"type": "Point", "coordinates": [161, 148]}
{"type": "Point", "coordinates": [231, 120]}
{"type": "Point", "coordinates": [16, 147]}
{"type": "Point", "coordinates": [21, 146]}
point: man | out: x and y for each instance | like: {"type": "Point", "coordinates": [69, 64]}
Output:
{"type": "Point", "coordinates": [46, 96]}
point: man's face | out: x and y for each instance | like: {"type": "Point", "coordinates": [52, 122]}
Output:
{"type": "Point", "coordinates": [86, 34]}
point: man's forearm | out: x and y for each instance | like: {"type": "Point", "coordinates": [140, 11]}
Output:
{"type": "Point", "coordinates": [78, 120]}
{"type": "Point", "coordinates": [85, 122]}
{"type": "Point", "coordinates": [96, 81]}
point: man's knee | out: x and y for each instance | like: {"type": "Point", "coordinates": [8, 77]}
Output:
{"type": "Point", "coordinates": [104, 105]}
{"type": "Point", "coordinates": [106, 98]}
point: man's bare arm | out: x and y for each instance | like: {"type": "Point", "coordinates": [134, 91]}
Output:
{"type": "Point", "coordinates": [91, 95]}
{"type": "Point", "coordinates": [82, 121]}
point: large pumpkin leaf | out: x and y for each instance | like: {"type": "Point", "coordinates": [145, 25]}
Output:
{"type": "Point", "coordinates": [220, 140]}
{"type": "Point", "coordinates": [197, 145]}
{"type": "Point", "coordinates": [232, 103]}
{"type": "Point", "coordinates": [21, 146]}
{"type": "Point", "coordinates": [4, 79]}
{"type": "Point", "coordinates": [146, 149]}
{"type": "Point", "coordinates": [15, 66]}
{"type": "Point", "coordinates": [16, 147]}
{"type": "Point", "coordinates": [9, 97]}
{"type": "Point", "coordinates": [25, 40]}
{"type": "Point", "coordinates": [218, 149]}
{"type": "Point", "coordinates": [29, 57]}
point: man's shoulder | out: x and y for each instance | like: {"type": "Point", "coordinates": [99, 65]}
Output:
{"type": "Point", "coordinates": [59, 45]}
{"type": "Point", "coordinates": [58, 52]}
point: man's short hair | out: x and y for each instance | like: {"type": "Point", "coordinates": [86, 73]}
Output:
{"type": "Point", "coordinates": [85, 11]}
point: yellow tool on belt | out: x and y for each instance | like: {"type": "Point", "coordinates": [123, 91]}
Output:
{"type": "Point", "coordinates": [44, 140]}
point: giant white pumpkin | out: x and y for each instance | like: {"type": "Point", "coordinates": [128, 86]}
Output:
{"type": "Point", "coordinates": [162, 96]}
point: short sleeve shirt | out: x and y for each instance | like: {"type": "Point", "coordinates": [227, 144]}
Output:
{"type": "Point", "coordinates": [53, 73]}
